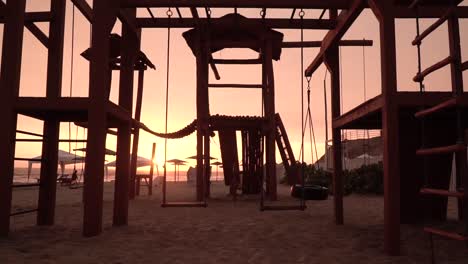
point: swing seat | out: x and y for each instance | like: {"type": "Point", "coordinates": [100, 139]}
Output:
{"type": "Point", "coordinates": [311, 192]}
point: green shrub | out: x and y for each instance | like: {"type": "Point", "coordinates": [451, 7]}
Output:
{"type": "Point", "coordinates": [367, 179]}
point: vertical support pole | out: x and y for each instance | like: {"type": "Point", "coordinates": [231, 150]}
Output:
{"type": "Point", "coordinates": [202, 111]}
{"type": "Point", "coordinates": [134, 182]}
{"type": "Point", "coordinates": [150, 181]}
{"type": "Point", "coordinates": [269, 101]}
{"type": "Point", "coordinates": [124, 133]}
{"type": "Point", "coordinates": [105, 12]}
{"type": "Point", "coordinates": [333, 65]}
{"type": "Point", "coordinates": [9, 87]}
{"type": "Point", "coordinates": [207, 171]}
{"type": "Point", "coordinates": [457, 88]}
{"type": "Point", "coordinates": [390, 128]}
{"type": "Point", "coordinates": [48, 177]}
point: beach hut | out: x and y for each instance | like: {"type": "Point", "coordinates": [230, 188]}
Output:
{"type": "Point", "coordinates": [64, 158]}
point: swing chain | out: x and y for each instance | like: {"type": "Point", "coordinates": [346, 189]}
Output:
{"type": "Point", "coordinates": [169, 12]}
{"type": "Point", "coordinates": [301, 13]}
{"type": "Point", "coordinates": [308, 78]}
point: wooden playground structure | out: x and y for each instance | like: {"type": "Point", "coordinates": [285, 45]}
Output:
{"type": "Point", "coordinates": [396, 113]}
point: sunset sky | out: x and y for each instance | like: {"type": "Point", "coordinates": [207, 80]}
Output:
{"type": "Point", "coordinates": [232, 101]}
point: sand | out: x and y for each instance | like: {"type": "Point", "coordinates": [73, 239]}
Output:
{"type": "Point", "coordinates": [225, 232]}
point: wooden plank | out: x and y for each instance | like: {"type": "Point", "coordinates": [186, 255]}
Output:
{"type": "Point", "coordinates": [429, 12]}
{"type": "Point", "coordinates": [370, 106]}
{"type": "Point", "coordinates": [311, 4]}
{"type": "Point", "coordinates": [234, 85]}
{"type": "Point", "coordinates": [318, 44]}
{"type": "Point", "coordinates": [269, 22]}
{"type": "Point", "coordinates": [344, 21]}
{"type": "Point", "coordinates": [9, 88]}
{"type": "Point", "coordinates": [32, 17]}
{"type": "Point", "coordinates": [237, 62]}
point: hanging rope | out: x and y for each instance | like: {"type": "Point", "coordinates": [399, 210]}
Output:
{"type": "Point", "coordinates": [169, 14]}
{"type": "Point", "coordinates": [366, 136]}
{"type": "Point", "coordinates": [71, 74]}
{"type": "Point", "coordinates": [302, 201]}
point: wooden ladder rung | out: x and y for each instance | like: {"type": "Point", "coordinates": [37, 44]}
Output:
{"type": "Point", "coordinates": [24, 212]}
{"type": "Point", "coordinates": [283, 207]}
{"type": "Point", "coordinates": [420, 76]}
{"type": "Point", "coordinates": [442, 150]}
{"type": "Point", "coordinates": [444, 105]}
{"type": "Point", "coordinates": [184, 204]}
{"type": "Point", "coordinates": [431, 28]}
{"type": "Point", "coordinates": [446, 234]}
{"type": "Point", "coordinates": [440, 192]}
{"type": "Point", "coordinates": [464, 66]}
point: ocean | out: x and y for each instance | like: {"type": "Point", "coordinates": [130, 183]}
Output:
{"type": "Point", "coordinates": [21, 174]}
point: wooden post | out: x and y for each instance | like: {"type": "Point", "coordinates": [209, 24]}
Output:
{"type": "Point", "coordinates": [390, 128]}
{"type": "Point", "coordinates": [48, 178]}
{"type": "Point", "coordinates": [134, 182]}
{"type": "Point", "coordinates": [105, 13]}
{"type": "Point", "coordinates": [269, 102]}
{"type": "Point", "coordinates": [150, 181]}
{"type": "Point", "coordinates": [457, 88]}
{"type": "Point", "coordinates": [9, 87]}
{"type": "Point", "coordinates": [202, 110]}
{"type": "Point", "coordinates": [333, 65]}
{"type": "Point", "coordinates": [122, 173]}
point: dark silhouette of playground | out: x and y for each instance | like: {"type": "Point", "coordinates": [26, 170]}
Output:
{"type": "Point", "coordinates": [421, 131]}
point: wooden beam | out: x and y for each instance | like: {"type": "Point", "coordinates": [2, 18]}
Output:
{"type": "Point", "coordinates": [311, 4]}
{"type": "Point", "coordinates": [237, 62]}
{"type": "Point", "coordinates": [344, 22]}
{"type": "Point", "coordinates": [318, 44]}
{"type": "Point", "coordinates": [84, 8]}
{"type": "Point", "coordinates": [51, 130]}
{"type": "Point", "coordinates": [9, 87]}
{"type": "Point", "coordinates": [36, 31]}
{"type": "Point", "coordinates": [269, 22]}
{"type": "Point", "coordinates": [248, 86]}
{"type": "Point", "coordinates": [429, 12]}
{"type": "Point", "coordinates": [358, 113]}
{"type": "Point", "coordinates": [32, 17]}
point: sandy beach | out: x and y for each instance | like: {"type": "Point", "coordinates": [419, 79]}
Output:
{"type": "Point", "coordinates": [225, 232]}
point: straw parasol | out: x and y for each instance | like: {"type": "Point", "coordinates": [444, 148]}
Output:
{"type": "Point", "coordinates": [177, 163]}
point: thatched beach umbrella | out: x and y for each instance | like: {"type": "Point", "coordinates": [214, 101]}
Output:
{"type": "Point", "coordinates": [217, 164]}
{"type": "Point", "coordinates": [177, 163]}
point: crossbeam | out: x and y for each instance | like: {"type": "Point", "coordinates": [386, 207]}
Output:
{"type": "Point", "coordinates": [310, 4]}
{"type": "Point", "coordinates": [84, 8]}
{"type": "Point", "coordinates": [345, 19]}
{"type": "Point", "coordinates": [35, 30]}
{"type": "Point", "coordinates": [269, 22]}
{"type": "Point", "coordinates": [32, 17]}
{"type": "Point", "coordinates": [430, 12]}
{"type": "Point", "coordinates": [318, 44]}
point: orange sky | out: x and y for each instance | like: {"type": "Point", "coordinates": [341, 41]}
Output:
{"type": "Point", "coordinates": [233, 101]}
